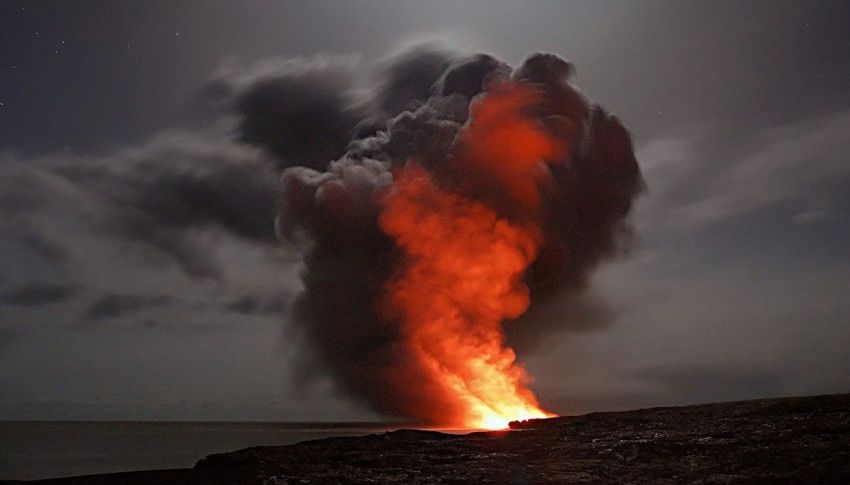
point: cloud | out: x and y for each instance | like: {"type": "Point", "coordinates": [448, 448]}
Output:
{"type": "Point", "coordinates": [38, 293]}
{"type": "Point", "coordinates": [117, 305]}
{"type": "Point", "coordinates": [794, 168]}
{"type": "Point", "coordinates": [192, 207]}
{"type": "Point", "coordinates": [407, 78]}
{"type": "Point", "coordinates": [736, 286]}
{"type": "Point", "coordinates": [8, 337]}
{"type": "Point", "coordinates": [696, 383]}
{"type": "Point", "coordinates": [189, 214]}
{"type": "Point", "coordinates": [190, 210]}
{"type": "Point", "coordinates": [302, 111]}
{"type": "Point", "coordinates": [254, 305]}
{"type": "Point", "coordinates": [163, 196]}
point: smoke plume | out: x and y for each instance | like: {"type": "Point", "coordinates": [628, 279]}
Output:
{"type": "Point", "coordinates": [469, 195]}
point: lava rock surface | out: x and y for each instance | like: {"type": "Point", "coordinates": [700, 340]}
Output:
{"type": "Point", "coordinates": [791, 440]}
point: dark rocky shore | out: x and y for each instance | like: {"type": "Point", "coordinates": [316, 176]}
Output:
{"type": "Point", "coordinates": [793, 440]}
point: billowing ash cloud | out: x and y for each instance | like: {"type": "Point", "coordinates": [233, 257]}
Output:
{"type": "Point", "coordinates": [420, 113]}
{"type": "Point", "coordinates": [300, 111]}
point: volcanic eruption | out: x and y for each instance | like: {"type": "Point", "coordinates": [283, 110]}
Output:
{"type": "Point", "coordinates": [469, 193]}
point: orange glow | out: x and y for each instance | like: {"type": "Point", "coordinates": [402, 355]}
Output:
{"type": "Point", "coordinates": [506, 145]}
{"type": "Point", "coordinates": [464, 266]}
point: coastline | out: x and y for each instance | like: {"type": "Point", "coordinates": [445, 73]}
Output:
{"type": "Point", "coordinates": [802, 439]}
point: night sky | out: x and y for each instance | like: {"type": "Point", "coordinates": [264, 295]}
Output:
{"type": "Point", "coordinates": [140, 277]}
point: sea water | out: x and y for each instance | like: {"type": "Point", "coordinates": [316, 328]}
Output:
{"type": "Point", "coordinates": [46, 449]}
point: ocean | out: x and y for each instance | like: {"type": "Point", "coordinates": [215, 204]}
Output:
{"type": "Point", "coordinates": [47, 449]}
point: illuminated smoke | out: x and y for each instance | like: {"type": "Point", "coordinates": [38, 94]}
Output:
{"type": "Point", "coordinates": [454, 210]}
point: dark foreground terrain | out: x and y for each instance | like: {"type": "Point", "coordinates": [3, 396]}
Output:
{"type": "Point", "coordinates": [794, 440]}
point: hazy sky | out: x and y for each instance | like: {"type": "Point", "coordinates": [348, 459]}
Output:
{"type": "Point", "coordinates": [110, 308]}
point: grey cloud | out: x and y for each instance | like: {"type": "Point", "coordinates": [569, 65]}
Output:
{"type": "Point", "coordinates": [663, 385]}
{"type": "Point", "coordinates": [720, 330]}
{"type": "Point", "coordinates": [796, 167]}
{"type": "Point", "coordinates": [701, 383]}
{"type": "Point", "coordinates": [181, 247]}
{"type": "Point", "coordinates": [117, 305]}
{"type": "Point", "coordinates": [238, 198]}
{"type": "Point", "coordinates": [38, 293]}
{"type": "Point", "coordinates": [245, 304]}
{"type": "Point", "coordinates": [599, 400]}
{"type": "Point", "coordinates": [190, 211]}
{"type": "Point", "coordinates": [45, 245]}
{"type": "Point", "coordinates": [216, 324]}
{"type": "Point", "coordinates": [253, 305]}
{"type": "Point", "coordinates": [162, 195]}
{"type": "Point", "coordinates": [8, 336]}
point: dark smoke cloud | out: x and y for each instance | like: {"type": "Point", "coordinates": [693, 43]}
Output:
{"type": "Point", "coordinates": [299, 111]}
{"type": "Point", "coordinates": [417, 113]}
{"type": "Point", "coordinates": [408, 79]}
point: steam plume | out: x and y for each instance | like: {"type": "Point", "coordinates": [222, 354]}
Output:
{"type": "Point", "coordinates": [516, 162]}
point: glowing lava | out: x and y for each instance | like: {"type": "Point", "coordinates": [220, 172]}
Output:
{"type": "Point", "coordinates": [464, 265]}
